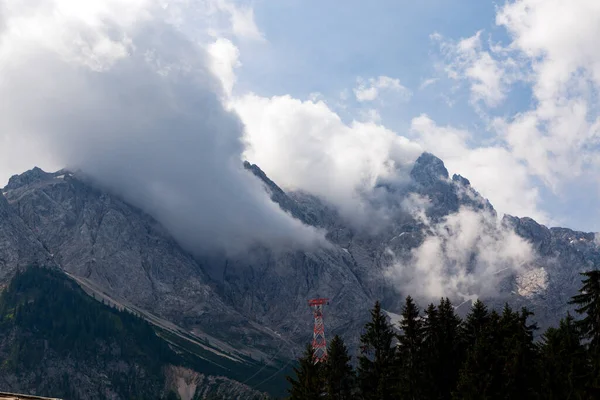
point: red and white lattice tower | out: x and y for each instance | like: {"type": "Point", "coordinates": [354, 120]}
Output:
{"type": "Point", "coordinates": [319, 343]}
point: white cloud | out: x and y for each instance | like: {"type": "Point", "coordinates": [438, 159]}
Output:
{"type": "Point", "coordinates": [224, 58]}
{"type": "Point", "coordinates": [242, 20]}
{"type": "Point", "coordinates": [466, 60]}
{"type": "Point", "coordinates": [305, 145]}
{"type": "Point", "coordinates": [493, 171]}
{"type": "Point", "coordinates": [467, 253]}
{"type": "Point", "coordinates": [559, 136]}
{"type": "Point", "coordinates": [556, 137]}
{"type": "Point", "coordinates": [372, 88]}
{"type": "Point", "coordinates": [113, 88]}
{"type": "Point", "coordinates": [211, 19]}
{"type": "Point", "coordinates": [558, 53]}
{"type": "Point", "coordinates": [427, 83]}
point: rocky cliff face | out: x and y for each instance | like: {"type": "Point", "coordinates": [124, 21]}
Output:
{"type": "Point", "coordinates": [94, 235]}
{"type": "Point", "coordinates": [259, 300]}
{"type": "Point", "coordinates": [562, 254]}
{"type": "Point", "coordinates": [559, 254]}
{"type": "Point", "coordinates": [18, 245]}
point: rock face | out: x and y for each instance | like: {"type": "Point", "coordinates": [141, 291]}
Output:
{"type": "Point", "coordinates": [258, 301]}
{"type": "Point", "coordinates": [18, 245]}
{"type": "Point", "coordinates": [94, 235]}
{"type": "Point", "coordinates": [563, 254]}
{"type": "Point", "coordinates": [190, 385]}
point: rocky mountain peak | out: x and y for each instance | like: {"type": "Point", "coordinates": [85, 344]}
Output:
{"type": "Point", "coordinates": [461, 180]}
{"type": "Point", "coordinates": [278, 195]}
{"type": "Point", "coordinates": [256, 171]}
{"type": "Point", "coordinates": [428, 170]}
{"type": "Point", "coordinates": [3, 202]}
{"type": "Point", "coordinates": [26, 178]}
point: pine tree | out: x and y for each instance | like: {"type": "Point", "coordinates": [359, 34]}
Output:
{"type": "Point", "coordinates": [518, 355]}
{"type": "Point", "coordinates": [431, 342]}
{"type": "Point", "coordinates": [588, 302]}
{"type": "Point", "coordinates": [339, 375]}
{"type": "Point", "coordinates": [480, 377]}
{"type": "Point", "coordinates": [564, 365]}
{"type": "Point", "coordinates": [410, 345]}
{"type": "Point", "coordinates": [444, 356]}
{"type": "Point", "coordinates": [474, 324]}
{"type": "Point", "coordinates": [375, 365]}
{"type": "Point", "coordinates": [309, 383]}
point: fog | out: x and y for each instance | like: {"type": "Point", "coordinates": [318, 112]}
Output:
{"type": "Point", "coordinates": [115, 90]}
{"type": "Point", "coordinates": [464, 255]}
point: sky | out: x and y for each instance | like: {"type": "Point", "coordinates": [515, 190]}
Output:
{"type": "Point", "coordinates": [504, 92]}
{"type": "Point", "coordinates": [327, 97]}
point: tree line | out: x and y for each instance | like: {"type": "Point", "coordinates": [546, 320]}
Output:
{"type": "Point", "coordinates": [488, 355]}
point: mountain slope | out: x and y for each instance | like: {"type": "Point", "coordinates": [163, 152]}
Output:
{"type": "Point", "coordinates": [56, 341]}
{"type": "Point", "coordinates": [552, 276]}
{"type": "Point", "coordinates": [256, 303]}
{"type": "Point", "coordinates": [96, 236]}
{"type": "Point", "coordinates": [18, 245]}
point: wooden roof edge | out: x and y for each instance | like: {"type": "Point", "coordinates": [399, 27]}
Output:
{"type": "Point", "coordinates": [7, 395]}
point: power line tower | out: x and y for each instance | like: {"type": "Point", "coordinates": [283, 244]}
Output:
{"type": "Point", "coordinates": [319, 343]}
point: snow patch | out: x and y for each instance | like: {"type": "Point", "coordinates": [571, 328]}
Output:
{"type": "Point", "coordinates": [397, 236]}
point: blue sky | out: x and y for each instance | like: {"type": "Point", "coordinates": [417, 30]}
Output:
{"type": "Point", "coordinates": [315, 46]}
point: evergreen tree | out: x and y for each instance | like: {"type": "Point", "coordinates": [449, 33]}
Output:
{"type": "Point", "coordinates": [474, 324]}
{"type": "Point", "coordinates": [442, 356]}
{"type": "Point", "coordinates": [588, 302]}
{"type": "Point", "coordinates": [375, 365]}
{"type": "Point", "coordinates": [431, 341]}
{"type": "Point", "coordinates": [518, 354]}
{"type": "Point", "coordinates": [481, 374]}
{"type": "Point", "coordinates": [410, 344]}
{"type": "Point", "coordinates": [563, 363]}
{"type": "Point", "coordinates": [309, 383]}
{"type": "Point", "coordinates": [339, 374]}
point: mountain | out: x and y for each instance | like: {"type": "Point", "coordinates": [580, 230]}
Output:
{"type": "Point", "coordinates": [57, 341]}
{"type": "Point", "coordinates": [18, 244]}
{"type": "Point", "coordinates": [98, 237]}
{"type": "Point", "coordinates": [253, 307]}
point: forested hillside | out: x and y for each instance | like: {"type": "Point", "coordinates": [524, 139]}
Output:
{"type": "Point", "coordinates": [57, 341]}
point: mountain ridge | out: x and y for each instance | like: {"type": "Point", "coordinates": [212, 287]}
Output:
{"type": "Point", "coordinates": [257, 301]}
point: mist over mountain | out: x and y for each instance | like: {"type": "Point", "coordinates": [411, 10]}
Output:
{"type": "Point", "coordinates": [439, 238]}
{"type": "Point", "coordinates": [209, 178]}
{"type": "Point", "coordinates": [143, 119]}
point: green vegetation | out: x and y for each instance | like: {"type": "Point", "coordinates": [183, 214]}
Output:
{"type": "Point", "coordinates": [436, 355]}
{"type": "Point", "coordinates": [47, 323]}
{"type": "Point", "coordinates": [45, 318]}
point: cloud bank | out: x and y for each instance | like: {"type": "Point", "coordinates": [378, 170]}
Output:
{"type": "Point", "coordinates": [466, 254]}
{"type": "Point", "coordinates": [304, 145]}
{"type": "Point", "coordinates": [115, 89]}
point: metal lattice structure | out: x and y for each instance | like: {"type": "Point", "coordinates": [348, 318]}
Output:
{"type": "Point", "coordinates": [319, 343]}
